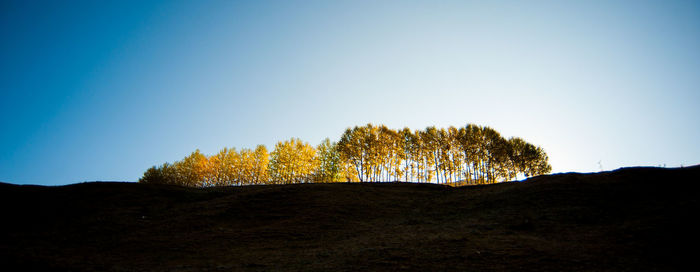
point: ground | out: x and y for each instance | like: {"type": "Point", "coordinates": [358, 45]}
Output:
{"type": "Point", "coordinates": [626, 220]}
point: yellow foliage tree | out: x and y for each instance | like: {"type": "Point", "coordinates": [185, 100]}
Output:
{"type": "Point", "coordinates": [466, 155]}
{"type": "Point", "coordinates": [193, 170]}
{"type": "Point", "coordinates": [293, 161]}
{"type": "Point", "coordinates": [261, 160]}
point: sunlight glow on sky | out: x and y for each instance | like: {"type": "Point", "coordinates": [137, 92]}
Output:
{"type": "Point", "coordinates": [102, 91]}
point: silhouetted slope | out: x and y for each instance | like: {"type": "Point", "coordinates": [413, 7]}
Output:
{"type": "Point", "coordinates": [625, 220]}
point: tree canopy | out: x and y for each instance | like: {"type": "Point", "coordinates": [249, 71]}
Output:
{"type": "Point", "coordinates": [457, 156]}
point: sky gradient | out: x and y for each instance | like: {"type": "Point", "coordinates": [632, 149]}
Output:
{"type": "Point", "coordinates": [102, 91]}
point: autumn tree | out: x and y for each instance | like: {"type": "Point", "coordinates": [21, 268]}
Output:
{"type": "Point", "coordinates": [466, 155]}
{"type": "Point", "coordinates": [261, 161]}
{"type": "Point", "coordinates": [164, 174]}
{"type": "Point", "coordinates": [406, 155]}
{"type": "Point", "coordinates": [329, 163]}
{"type": "Point", "coordinates": [193, 170]}
{"type": "Point", "coordinates": [353, 151]}
{"type": "Point", "coordinates": [223, 167]}
{"type": "Point", "coordinates": [292, 161]}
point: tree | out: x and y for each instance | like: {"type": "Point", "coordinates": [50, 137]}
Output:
{"type": "Point", "coordinates": [471, 154]}
{"type": "Point", "coordinates": [329, 162]}
{"type": "Point", "coordinates": [159, 175]}
{"type": "Point", "coordinates": [457, 157]}
{"type": "Point", "coordinates": [193, 170]}
{"type": "Point", "coordinates": [352, 150]}
{"type": "Point", "coordinates": [293, 161]}
{"type": "Point", "coordinates": [223, 167]}
{"type": "Point", "coordinates": [407, 153]}
{"type": "Point", "coordinates": [261, 160]}
{"type": "Point", "coordinates": [430, 152]}
{"type": "Point", "coordinates": [535, 161]}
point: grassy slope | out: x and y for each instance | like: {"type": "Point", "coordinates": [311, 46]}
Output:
{"type": "Point", "coordinates": [629, 219]}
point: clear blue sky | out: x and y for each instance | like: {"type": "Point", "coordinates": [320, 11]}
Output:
{"type": "Point", "coordinates": [102, 91]}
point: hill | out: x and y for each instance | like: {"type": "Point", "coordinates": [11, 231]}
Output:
{"type": "Point", "coordinates": [626, 220]}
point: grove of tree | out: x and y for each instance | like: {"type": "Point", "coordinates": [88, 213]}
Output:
{"type": "Point", "coordinates": [456, 156]}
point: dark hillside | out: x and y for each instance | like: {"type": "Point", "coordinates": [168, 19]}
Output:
{"type": "Point", "coordinates": [625, 220]}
